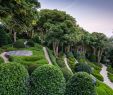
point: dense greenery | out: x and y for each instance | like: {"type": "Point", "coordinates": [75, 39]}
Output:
{"type": "Point", "coordinates": [14, 79]}
{"type": "Point", "coordinates": [47, 80]}
{"type": "Point", "coordinates": [80, 84]}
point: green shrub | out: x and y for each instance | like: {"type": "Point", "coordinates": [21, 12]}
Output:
{"type": "Point", "coordinates": [1, 60]}
{"type": "Point", "coordinates": [19, 44]}
{"type": "Point", "coordinates": [98, 76]}
{"type": "Point", "coordinates": [110, 76]}
{"type": "Point", "coordinates": [110, 69]}
{"type": "Point", "coordinates": [82, 67]}
{"type": "Point", "coordinates": [60, 62]}
{"type": "Point", "coordinates": [47, 80]}
{"type": "Point", "coordinates": [30, 43]}
{"type": "Point", "coordinates": [67, 74]}
{"type": "Point", "coordinates": [93, 58]}
{"type": "Point", "coordinates": [80, 84]}
{"type": "Point", "coordinates": [36, 39]}
{"type": "Point", "coordinates": [13, 80]}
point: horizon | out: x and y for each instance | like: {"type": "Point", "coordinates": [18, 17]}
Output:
{"type": "Point", "coordinates": [93, 16]}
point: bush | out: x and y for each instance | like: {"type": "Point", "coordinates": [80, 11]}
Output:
{"type": "Point", "coordinates": [36, 39]}
{"type": "Point", "coordinates": [1, 60]}
{"type": "Point", "coordinates": [60, 62]}
{"type": "Point", "coordinates": [82, 67]}
{"type": "Point", "coordinates": [110, 76]}
{"type": "Point", "coordinates": [47, 80]}
{"type": "Point", "coordinates": [13, 80]}
{"type": "Point", "coordinates": [19, 44]}
{"type": "Point", "coordinates": [93, 58]}
{"type": "Point", "coordinates": [80, 84]}
{"type": "Point", "coordinates": [30, 43]}
{"type": "Point", "coordinates": [67, 74]}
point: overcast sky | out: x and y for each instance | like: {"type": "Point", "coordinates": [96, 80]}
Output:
{"type": "Point", "coordinates": [92, 15]}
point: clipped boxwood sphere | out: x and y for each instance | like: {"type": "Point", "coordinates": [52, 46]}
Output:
{"type": "Point", "coordinates": [80, 84]}
{"type": "Point", "coordinates": [47, 80]}
{"type": "Point", "coordinates": [13, 79]}
{"type": "Point", "coordinates": [82, 67]}
{"type": "Point", "coordinates": [19, 44]}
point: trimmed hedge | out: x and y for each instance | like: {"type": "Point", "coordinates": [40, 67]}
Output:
{"type": "Point", "coordinates": [80, 84]}
{"type": "Point", "coordinates": [82, 67]}
{"type": "Point", "coordinates": [47, 80]}
{"type": "Point", "coordinates": [13, 79]}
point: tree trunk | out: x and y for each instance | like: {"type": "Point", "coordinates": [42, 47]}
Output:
{"type": "Point", "coordinates": [14, 36]}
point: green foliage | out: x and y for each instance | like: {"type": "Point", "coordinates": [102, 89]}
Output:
{"type": "Point", "coordinates": [60, 62]}
{"type": "Point", "coordinates": [80, 84]}
{"type": "Point", "coordinates": [1, 60]}
{"type": "Point", "coordinates": [83, 67]}
{"type": "Point", "coordinates": [93, 58]}
{"type": "Point", "coordinates": [36, 39]}
{"type": "Point", "coordinates": [103, 89]}
{"type": "Point", "coordinates": [30, 43]}
{"type": "Point", "coordinates": [67, 74]}
{"type": "Point", "coordinates": [110, 69]}
{"type": "Point", "coordinates": [14, 80]}
{"type": "Point", "coordinates": [19, 44]}
{"type": "Point", "coordinates": [110, 76]}
{"type": "Point", "coordinates": [47, 80]}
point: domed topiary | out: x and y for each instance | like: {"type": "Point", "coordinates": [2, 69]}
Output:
{"type": "Point", "coordinates": [19, 44]}
{"type": "Point", "coordinates": [80, 84]}
{"type": "Point", "coordinates": [82, 67]}
{"type": "Point", "coordinates": [47, 80]}
{"type": "Point", "coordinates": [13, 79]}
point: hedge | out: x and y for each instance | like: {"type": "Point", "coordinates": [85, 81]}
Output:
{"type": "Point", "coordinates": [80, 84]}
{"type": "Point", "coordinates": [47, 80]}
{"type": "Point", "coordinates": [13, 79]}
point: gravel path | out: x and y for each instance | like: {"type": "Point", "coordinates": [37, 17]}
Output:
{"type": "Point", "coordinates": [46, 55]}
{"type": "Point", "coordinates": [66, 63]}
{"type": "Point", "coordinates": [106, 79]}
{"type": "Point", "coordinates": [4, 58]}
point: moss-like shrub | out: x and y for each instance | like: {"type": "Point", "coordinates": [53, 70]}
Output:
{"type": "Point", "coordinates": [47, 80]}
{"type": "Point", "coordinates": [67, 73]}
{"type": "Point", "coordinates": [19, 44]}
{"type": "Point", "coordinates": [82, 67]}
{"type": "Point", "coordinates": [13, 79]}
{"type": "Point", "coordinates": [80, 84]}
{"type": "Point", "coordinates": [1, 60]}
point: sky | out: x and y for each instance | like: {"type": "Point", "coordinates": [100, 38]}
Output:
{"type": "Point", "coordinates": [92, 15]}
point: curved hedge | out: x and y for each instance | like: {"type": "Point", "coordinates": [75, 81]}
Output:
{"type": "Point", "coordinates": [82, 67]}
{"type": "Point", "coordinates": [13, 79]}
{"type": "Point", "coordinates": [80, 84]}
{"type": "Point", "coordinates": [47, 80]}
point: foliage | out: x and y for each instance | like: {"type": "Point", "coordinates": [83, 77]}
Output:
{"type": "Point", "coordinates": [47, 80]}
{"type": "Point", "coordinates": [83, 67]}
{"type": "Point", "coordinates": [110, 76]}
{"type": "Point", "coordinates": [30, 43]}
{"type": "Point", "coordinates": [1, 60]}
{"type": "Point", "coordinates": [60, 62]}
{"type": "Point", "coordinates": [67, 73]}
{"type": "Point", "coordinates": [36, 39]}
{"type": "Point", "coordinates": [80, 84]}
{"type": "Point", "coordinates": [103, 89]}
{"type": "Point", "coordinates": [19, 44]}
{"type": "Point", "coordinates": [14, 80]}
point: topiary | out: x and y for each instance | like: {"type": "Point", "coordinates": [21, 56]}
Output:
{"type": "Point", "coordinates": [47, 80]}
{"type": "Point", "coordinates": [19, 44]}
{"type": "Point", "coordinates": [80, 84]}
{"type": "Point", "coordinates": [13, 79]}
{"type": "Point", "coordinates": [82, 67]}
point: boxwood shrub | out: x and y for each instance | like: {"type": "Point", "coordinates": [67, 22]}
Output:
{"type": "Point", "coordinates": [13, 79]}
{"type": "Point", "coordinates": [80, 84]}
{"type": "Point", "coordinates": [47, 80]}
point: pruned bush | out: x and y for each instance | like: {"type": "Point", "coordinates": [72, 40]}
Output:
{"type": "Point", "coordinates": [13, 79]}
{"type": "Point", "coordinates": [80, 84]}
{"type": "Point", "coordinates": [82, 67]}
{"type": "Point", "coordinates": [67, 74]}
{"type": "Point", "coordinates": [19, 44]}
{"type": "Point", "coordinates": [47, 80]}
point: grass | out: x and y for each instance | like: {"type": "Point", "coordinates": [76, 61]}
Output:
{"type": "Point", "coordinates": [103, 89]}
{"type": "Point", "coordinates": [110, 73]}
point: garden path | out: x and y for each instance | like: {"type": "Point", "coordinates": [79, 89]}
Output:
{"type": "Point", "coordinates": [106, 79]}
{"type": "Point", "coordinates": [66, 63]}
{"type": "Point", "coordinates": [4, 58]}
{"type": "Point", "coordinates": [46, 55]}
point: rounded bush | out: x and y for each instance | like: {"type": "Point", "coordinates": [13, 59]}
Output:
{"type": "Point", "coordinates": [19, 44]}
{"type": "Point", "coordinates": [80, 84]}
{"type": "Point", "coordinates": [13, 79]}
{"type": "Point", "coordinates": [82, 67]}
{"type": "Point", "coordinates": [47, 80]}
